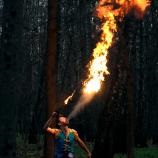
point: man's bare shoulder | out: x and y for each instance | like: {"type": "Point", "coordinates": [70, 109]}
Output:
{"type": "Point", "coordinates": [53, 131]}
{"type": "Point", "coordinates": [74, 132]}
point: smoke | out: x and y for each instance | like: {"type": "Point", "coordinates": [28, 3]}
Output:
{"type": "Point", "coordinates": [83, 100]}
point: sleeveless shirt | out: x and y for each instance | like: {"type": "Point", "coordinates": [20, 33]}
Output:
{"type": "Point", "coordinates": [64, 146]}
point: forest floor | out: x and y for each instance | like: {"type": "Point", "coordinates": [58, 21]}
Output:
{"type": "Point", "coordinates": [26, 150]}
{"type": "Point", "coordinates": [151, 152]}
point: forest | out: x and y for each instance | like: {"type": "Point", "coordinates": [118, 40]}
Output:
{"type": "Point", "coordinates": [48, 52]}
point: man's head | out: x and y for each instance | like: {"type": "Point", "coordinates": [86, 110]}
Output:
{"type": "Point", "coordinates": [63, 121]}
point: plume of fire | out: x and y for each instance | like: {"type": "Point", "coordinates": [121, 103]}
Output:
{"type": "Point", "coordinates": [106, 11]}
{"type": "Point", "coordinates": [97, 67]}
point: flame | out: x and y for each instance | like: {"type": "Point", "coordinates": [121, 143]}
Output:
{"type": "Point", "coordinates": [69, 98]}
{"type": "Point", "coordinates": [142, 4]}
{"type": "Point", "coordinates": [107, 11]}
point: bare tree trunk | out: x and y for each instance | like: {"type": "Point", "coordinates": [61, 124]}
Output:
{"type": "Point", "coordinates": [9, 75]}
{"type": "Point", "coordinates": [51, 71]}
{"type": "Point", "coordinates": [130, 126]}
{"type": "Point", "coordinates": [130, 103]}
{"type": "Point", "coordinates": [130, 98]}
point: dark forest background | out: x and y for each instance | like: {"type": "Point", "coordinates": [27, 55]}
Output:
{"type": "Point", "coordinates": [44, 49]}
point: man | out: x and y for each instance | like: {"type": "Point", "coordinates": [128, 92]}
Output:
{"type": "Point", "coordinates": [65, 138]}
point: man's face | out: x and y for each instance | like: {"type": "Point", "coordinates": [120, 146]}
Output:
{"type": "Point", "coordinates": [63, 121]}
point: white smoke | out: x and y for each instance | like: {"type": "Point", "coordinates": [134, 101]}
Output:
{"type": "Point", "coordinates": [82, 102]}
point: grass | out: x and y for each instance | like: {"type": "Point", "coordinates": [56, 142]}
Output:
{"type": "Point", "coordinates": [80, 153]}
{"type": "Point", "coordinates": [26, 150]}
{"type": "Point", "coordinates": [151, 152]}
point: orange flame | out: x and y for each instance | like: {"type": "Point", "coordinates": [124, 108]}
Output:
{"type": "Point", "coordinates": [107, 11]}
{"type": "Point", "coordinates": [69, 98]}
{"type": "Point", "coordinates": [142, 4]}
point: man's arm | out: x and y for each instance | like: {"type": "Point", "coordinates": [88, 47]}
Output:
{"type": "Point", "coordinates": [84, 147]}
{"type": "Point", "coordinates": [47, 125]}
{"type": "Point", "coordinates": [82, 144]}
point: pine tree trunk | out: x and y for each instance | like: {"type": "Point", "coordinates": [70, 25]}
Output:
{"type": "Point", "coordinates": [130, 104]}
{"type": "Point", "coordinates": [51, 71]}
{"type": "Point", "coordinates": [9, 75]}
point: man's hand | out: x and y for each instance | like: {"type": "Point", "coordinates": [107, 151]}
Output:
{"type": "Point", "coordinates": [54, 114]}
{"type": "Point", "coordinates": [89, 155]}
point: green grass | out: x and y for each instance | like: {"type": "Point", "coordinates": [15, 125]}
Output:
{"type": "Point", "coordinates": [80, 153]}
{"type": "Point", "coordinates": [26, 150]}
{"type": "Point", "coordinates": [151, 152]}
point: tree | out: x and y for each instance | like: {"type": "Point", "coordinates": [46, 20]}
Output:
{"type": "Point", "coordinates": [9, 76]}
{"type": "Point", "coordinates": [136, 62]}
{"type": "Point", "coordinates": [51, 69]}
{"type": "Point", "coordinates": [115, 120]}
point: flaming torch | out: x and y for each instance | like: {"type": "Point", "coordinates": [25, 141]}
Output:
{"type": "Point", "coordinates": [106, 11]}
{"type": "Point", "coordinates": [69, 98]}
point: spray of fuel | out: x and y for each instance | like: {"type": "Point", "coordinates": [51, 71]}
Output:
{"type": "Point", "coordinates": [107, 11]}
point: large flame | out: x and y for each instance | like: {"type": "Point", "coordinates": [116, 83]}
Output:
{"type": "Point", "coordinates": [98, 68]}
{"type": "Point", "coordinates": [107, 11]}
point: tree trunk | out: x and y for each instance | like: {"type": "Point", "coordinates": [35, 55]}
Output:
{"type": "Point", "coordinates": [51, 71]}
{"type": "Point", "coordinates": [130, 126]}
{"type": "Point", "coordinates": [9, 75]}
{"type": "Point", "coordinates": [130, 104]}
